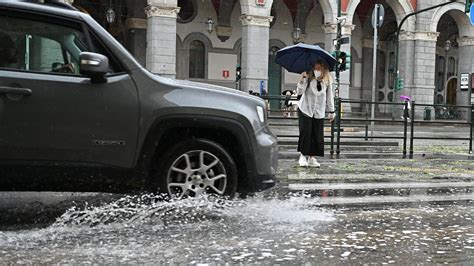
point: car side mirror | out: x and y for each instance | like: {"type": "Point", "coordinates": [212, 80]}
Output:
{"type": "Point", "coordinates": [94, 66]}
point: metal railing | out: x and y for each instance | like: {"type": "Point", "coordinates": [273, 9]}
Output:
{"type": "Point", "coordinates": [340, 119]}
{"type": "Point", "coordinates": [469, 122]}
{"type": "Point", "coordinates": [408, 121]}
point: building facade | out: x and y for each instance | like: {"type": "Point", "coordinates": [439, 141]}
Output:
{"type": "Point", "coordinates": [207, 40]}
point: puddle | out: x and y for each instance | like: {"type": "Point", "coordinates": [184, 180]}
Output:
{"type": "Point", "coordinates": [148, 225]}
{"type": "Point", "coordinates": [278, 228]}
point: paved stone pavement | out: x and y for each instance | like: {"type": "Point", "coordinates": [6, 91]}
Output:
{"type": "Point", "coordinates": [378, 170]}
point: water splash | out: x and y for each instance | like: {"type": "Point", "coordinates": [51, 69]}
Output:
{"type": "Point", "coordinates": [157, 210]}
{"type": "Point", "coordinates": [158, 230]}
{"type": "Point", "coordinates": [141, 209]}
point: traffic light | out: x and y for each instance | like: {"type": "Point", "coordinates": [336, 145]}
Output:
{"type": "Point", "coordinates": [468, 6]}
{"type": "Point", "coordinates": [238, 73]}
{"type": "Point", "coordinates": [344, 61]}
{"type": "Point", "coordinates": [400, 84]}
{"type": "Point", "coordinates": [348, 61]}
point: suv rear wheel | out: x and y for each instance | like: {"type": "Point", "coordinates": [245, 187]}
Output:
{"type": "Point", "coordinates": [196, 167]}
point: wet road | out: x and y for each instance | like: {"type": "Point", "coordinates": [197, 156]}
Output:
{"type": "Point", "coordinates": [278, 227]}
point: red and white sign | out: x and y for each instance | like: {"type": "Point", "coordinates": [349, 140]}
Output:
{"type": "Point", "coordinates": [225, 73]}
{"type": "Point", "coordinates": [465, 81]}
{"type": "Point", "coordinates": [261, 2]}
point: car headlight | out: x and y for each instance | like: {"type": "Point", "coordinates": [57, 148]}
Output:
{"type": "Point", "coordinates": [261, 114]}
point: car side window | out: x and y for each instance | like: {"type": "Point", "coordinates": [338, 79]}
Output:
{"type": "Point", "coordinates": [41, 46]}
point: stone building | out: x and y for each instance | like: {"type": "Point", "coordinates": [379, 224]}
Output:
{"type": "Point", "coordinates": [205, 40]}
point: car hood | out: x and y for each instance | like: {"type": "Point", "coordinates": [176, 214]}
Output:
{"type": "Point", "coordinates": [211, 88]}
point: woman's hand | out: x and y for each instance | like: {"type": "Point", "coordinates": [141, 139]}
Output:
{"type": "Point", "coordinates": [331, 117]}
{"type": "Point", "coordinates": [303, 76]}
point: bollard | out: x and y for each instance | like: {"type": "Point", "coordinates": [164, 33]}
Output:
{"type": "Point", "coordinates": [332, 135]}
{"type": "Point", "coordinates": [412, 133]}
{"type": "Point", "coordinates": [405, 129]}
{"type": "Point", "coordinates": [332, 139]}
{"type": "Point", "coordinates": [427, 114]}
{"type": "Point", "coordinates": [338, 121]}
{"type": "Point", "coordinates": [472, 129]}
{"type": "Point", "coordinates": [366, 122]}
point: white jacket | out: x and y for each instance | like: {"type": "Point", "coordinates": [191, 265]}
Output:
{"type": "Point", "coordinates": [313, 102]}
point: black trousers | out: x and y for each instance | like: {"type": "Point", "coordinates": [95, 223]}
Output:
{"type": "Point", "coordinates": [311, 139]}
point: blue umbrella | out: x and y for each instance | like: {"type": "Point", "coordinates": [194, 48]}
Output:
{"type": "Point", "coordinates": [302, 57]}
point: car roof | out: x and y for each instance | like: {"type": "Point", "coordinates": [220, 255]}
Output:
{"type": "Point", "coordinates": [40, 8]}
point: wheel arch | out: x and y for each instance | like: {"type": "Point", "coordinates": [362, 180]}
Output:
{"type": "Point", "coordinates": [231, 134]}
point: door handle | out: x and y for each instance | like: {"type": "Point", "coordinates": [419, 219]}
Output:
{"type": "Point", "coordinates": [11, 90]}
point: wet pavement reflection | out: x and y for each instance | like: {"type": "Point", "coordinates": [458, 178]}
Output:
{"type": "Point", "coordinates": [276, 227]}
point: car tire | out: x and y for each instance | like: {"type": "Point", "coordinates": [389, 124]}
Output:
{"type": "Point", "coordinates": [195, 167]}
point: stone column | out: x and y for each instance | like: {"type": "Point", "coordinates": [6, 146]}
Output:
{"type": "Point", "coordinates": [255, 47]}
{"type": "Point", "coordinates": [161, 37]}
{"type": "Point", "coordinates": [346, 75]}
{"type": "Point", "coordinates": [465, 65]}
{"type": "Point", "coordinates": [406, 66]}
{"type": "Point", "coordinates": [330, 33]}
{"type": "Point", "coordinates": [424, 69]}
{"type": "Point", "coordinates": [367, 63]}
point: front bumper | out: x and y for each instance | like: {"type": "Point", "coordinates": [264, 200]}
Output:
{"type": "Point", "coordinates": [261, 183]}
{"type": "Point", "coordinates": [266, 161]}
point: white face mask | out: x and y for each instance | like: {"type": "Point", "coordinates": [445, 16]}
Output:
{"type": "Point", "coordinates": [317, 74]}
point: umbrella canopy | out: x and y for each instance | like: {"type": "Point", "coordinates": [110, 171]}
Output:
{"type": "Point", "coordinates": [285, 91]}
{"type": "Point", "coordinates": [405, 98]}
{"type": "Point", "coordinates": [302, 57]}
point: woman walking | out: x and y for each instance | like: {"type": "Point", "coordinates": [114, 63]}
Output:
{"type": "Point", "coordinates": [316, 88]}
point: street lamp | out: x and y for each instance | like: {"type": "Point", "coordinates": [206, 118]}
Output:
{"type": "Point", "coordinates": [210, 25]}
{"type": "Point", "coordinates": [110, 14]}
{"type": "Point", "coordinates": [447, 45]}
{"type": "Point", "coordinates": [296, 34]}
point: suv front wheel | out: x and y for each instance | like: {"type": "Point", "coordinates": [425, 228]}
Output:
{"type": "Point", "coordinates": [196, 167]}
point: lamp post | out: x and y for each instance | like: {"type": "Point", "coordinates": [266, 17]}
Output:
{"type": "Point", "coordinates": [447, 45]}
{"type": "Point", "coordinates": [296, 35]}
{"type": "Point", "coordinates": [336, 90]}
{"type": "Point", "coordinates": [338, 48]}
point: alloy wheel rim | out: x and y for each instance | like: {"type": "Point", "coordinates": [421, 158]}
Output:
{"type": "Point", "coordinates": [195, 173]}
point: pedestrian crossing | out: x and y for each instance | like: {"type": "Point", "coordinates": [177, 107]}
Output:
{"type": "Point", "coordinates": [371, 200]}
{"type": "Point", "coordinates": [368, 193]}
{"type": "Point", "coordinates": [380, 185]}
